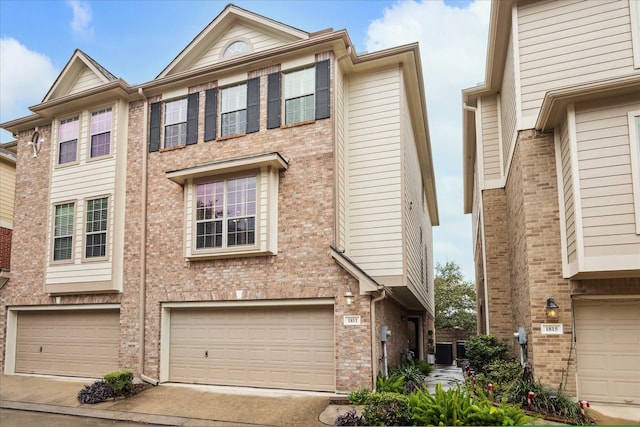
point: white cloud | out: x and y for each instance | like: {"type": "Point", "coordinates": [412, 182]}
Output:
{"type": "Point", "coordinates": [452, 46]}
{"type": "Point", "coordinates": [82, 17]}
{"type": "Point", "coordinates": [25, 76]}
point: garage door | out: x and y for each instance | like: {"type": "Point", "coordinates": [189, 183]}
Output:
{"type": "Point", "coordinates": [281, 347]}
{"type": "Point", "coordinates": [81, 343]}
{"type": "Point", "coordinates": [608, 350]}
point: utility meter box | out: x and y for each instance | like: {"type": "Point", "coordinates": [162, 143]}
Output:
{"type": "Point", "coordinates": [385, 333]}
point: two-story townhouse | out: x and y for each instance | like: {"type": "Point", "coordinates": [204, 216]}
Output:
{"type": "Point", "coordinates": [264, 209]}
{"type": "Point", "coordinates": [552, 179]}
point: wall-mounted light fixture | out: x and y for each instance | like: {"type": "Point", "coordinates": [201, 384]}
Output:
{"type": "Point", "coordinates": [552, 309]}
{"type": "Point", "coordinates": [348, 296]}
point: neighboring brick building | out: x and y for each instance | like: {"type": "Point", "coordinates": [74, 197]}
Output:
{"type": "Point", "coordinates": [7, 190]}
{"type": "Point", "coordinates": [552, 179]}
{"type": "Point", "coordinates": [252, 216]}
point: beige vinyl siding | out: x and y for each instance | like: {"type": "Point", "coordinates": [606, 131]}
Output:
{"type": "Point", "coordinates": [69, 184]}
{"type": "Point", "coordinates": [568, 195]}
{"type": "Point", "coordinates": [86, 80]}
{"type": "Point", "coordinates": [568, 43]}
{"type": "Point", "coordinates": [415, 213]}
{"type": "Point", "coordinates": [341, 158]}
{"type": "Point", "coordinates": [257, 40]}
{"type": "Point", "coordinates": [490, 138]}
{"type": "Point", "coordinates": [7, 190]}
{"type": "Point", "coordinates": [374, 188]}
{"type": "Point", "coordinates": [606, 188]}
{"type": "Point", "coordinates": [508, 107]}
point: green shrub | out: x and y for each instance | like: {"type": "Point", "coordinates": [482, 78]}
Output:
{"type": "Point", "coordinates": [485, 413]}
{"type": "Point", "coordinates": [387, 409]}
{"type": "Point", "coordinates": [359, 397]}
{"type": "Point", "coordinates": [548, 401]}
{"type": "Point", "coordinates": [484, 349]}
{"type": "Point", "coordinates": [393, 384]}
{"type": "Point", "coordinates": [121, 382]}
{"type": "Point", "coordinates": [449, 408]}
{"type": "Point", "coordinates": [413, 376]}
{"type": "Point", "coordinates": [500, 373]}
{"type": "Point", "coordinates": [424, 367]}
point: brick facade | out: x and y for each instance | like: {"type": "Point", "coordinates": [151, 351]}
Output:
{"type": "Point", "coordinates": [5, 247]}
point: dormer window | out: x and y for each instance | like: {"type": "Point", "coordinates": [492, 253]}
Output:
{"type": "Point", "coordinates": [236, 48]}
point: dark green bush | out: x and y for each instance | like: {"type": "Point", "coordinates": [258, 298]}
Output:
{"type": "Point", "coordinates": [500, 373]}
{"type": "Point", "coordinates": [392, 384]}
{"type": "Point", "coordinates": [387, 409]}
{"type": "Point", "coordinates": [548, 401]}
{"type": "Point", "coordinates": [424, 367]}
{"type": "Point", "coordinates": [484, 349]}
{"type": "Point", "coordinates": [121, 382]}
{"type": "Point", "coordinates": [97, 392]}
{"type": "Point", "coordinates": [350, 418]}
{"type": "Point", "coordinates": [359, 397]}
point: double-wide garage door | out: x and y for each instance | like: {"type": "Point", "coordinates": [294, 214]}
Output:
{"type": "Point", "coordinates": [276, 347]}
{"type": "Point", "coordinates": [82, 343]}
{"type": "Point", "coordinates": [608, 350]}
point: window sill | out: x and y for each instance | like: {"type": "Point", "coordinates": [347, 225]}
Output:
{"type": "Point", "coordinates": [292, 125]}
{"type": "Point", "coordinates": [177, 147]}
{"type": "Point", "coordinates": [229, 254]}
{"type": "Point", "coordinates": [232, 136]}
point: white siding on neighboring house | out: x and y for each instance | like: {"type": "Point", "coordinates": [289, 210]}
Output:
{"type": "Point", "coordinates": [568, 43]}
{"type": "Point", "coordinates": [374, 188]}
{"type": "Point", "coordinates": [7, 189]}
{"type": "Point", "coordinates": [258, 41]}
{"type": "Point", "coordinates": [508, 108]}
{"type": "Point", "coordinates": [490, 138]}
{"type": "Point", "coordinates": [606, 188]}
{"type": "Point", "coordinates": [86, 80]}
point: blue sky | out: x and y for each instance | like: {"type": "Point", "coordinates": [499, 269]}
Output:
{"type": "Point", "coordinates": [136, 40]}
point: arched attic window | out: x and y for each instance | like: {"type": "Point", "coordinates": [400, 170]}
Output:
{"type": "Point", "coordinates": [237, 47]}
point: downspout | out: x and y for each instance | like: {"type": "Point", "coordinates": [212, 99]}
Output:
{"type": "Point", "coordinates": [484, 250]}
{"type": "Point", "coordinates": [143, 245]}
{"type": "Point", "coordinates": [335, 148]}
{"type": "Point", "coordinates": [374, 359]}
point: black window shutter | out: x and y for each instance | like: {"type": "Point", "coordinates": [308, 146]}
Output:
{"type": "Point", "coordinates": [192, 118]}
{"type": "Point", "coordinates": [273, 101]}
{"type": "Point", "coordinates": [154, 127]}
{"type": "Point", "coordinates": [253, 105]}
{"type": "Point", "coordinates": [322, 89]}
{"type": "Point", "coordinates": [210, 102]}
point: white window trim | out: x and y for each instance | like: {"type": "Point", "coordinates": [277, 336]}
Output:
{"type": "Point", "coordinates": [634, 9]}
{"type": "Point", "coordinates": [59, 141]}
{"type": "Point", "coordinates": [52, 259]}
{"type": "Point", "coordinates": [164, 126]}
{"type": "Point", "coordinates": [106, 256]}
{"type": "Point", "coordinates": [223, 112]}
{"type": "Point", "coordinates": [308, 68]}
{"type": "Point", "coordinates": [634, 151]}
{"type": "Point", "coordinates": [266, 168]}
{"type": "Point", "coordinates": [111, 133]}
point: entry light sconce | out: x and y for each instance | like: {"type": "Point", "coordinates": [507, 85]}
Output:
{"type": "Point", "coordinates": [552, 309]}
{"type": "Point", "coordinates": [348, 296]}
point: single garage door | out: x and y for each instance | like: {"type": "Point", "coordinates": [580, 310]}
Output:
{"type": "Point", "coordinates": [80, 343]}
{"type": "Point", "coordinates": [608, 350]}
{"type": "Point", "coordinates": [275, 347]}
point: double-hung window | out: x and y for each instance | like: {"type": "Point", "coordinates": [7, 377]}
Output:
{"type": "Point", "coordinates": [233, 110]}
{"type": "Point", "coordinates": [299, 94]}
{"type": "Point", "coordinates": [226, 213]}
{"type": "Point", "coordinates": [175, 123]}
{"type": "Point", "coordinates": [63, 232]}
{"type": "Point", "coordinates": [96, 228]}
{"type": "Point", "coordinates": [68, 140]}
{"type": "Point", "coordinates": [100, 133]}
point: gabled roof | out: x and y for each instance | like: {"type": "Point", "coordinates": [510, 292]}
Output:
{"type": "Point", "coordinates": [219, 27]}
{"type": "Point", "coordinates": [79, 65]}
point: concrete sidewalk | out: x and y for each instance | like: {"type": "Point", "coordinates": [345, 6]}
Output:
{"type": "Point", "coordinates": [189, 405]}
